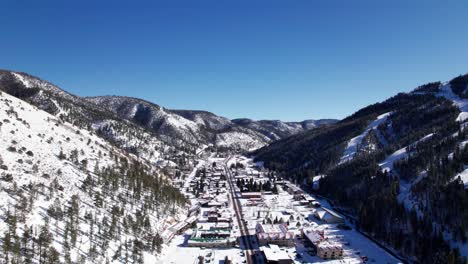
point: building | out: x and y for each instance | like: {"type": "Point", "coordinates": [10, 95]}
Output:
{"type": "Point", "coordinates": [315, 204]}
{"type": "Point", "coordinates": [273, 254]}
{"type": "Point", "coordinates": [211, 238]}
{"type": "Point", "coordinates": [293, 189]}
{"type": "Point", "coordinates": [313, 237]}
{"type": "Point", "coordinates": [194, 210]}
{"type": "Point", "coordinates": [310, 199]}
{"type": "Point", "coordinates": [298, 196]}
{"type": "Point", "coordinates": [252, 195]}
{"type": "Point", "coordinates": [191, 220]}
{"type": "Point", "coordinates": [213, 216]}
{"type": "Point", "coordinates": [329, 250]}
{"type": "Point", "coordinates": [277, 234]}
{"type": "Point", "coordinates": [215, 204]}
{"type": "Point", "coordinates": [222, 226]}
{"type": "Point", "coordinates": [328, 216]}
{"type": "Point", "coordinates": [325, 249]}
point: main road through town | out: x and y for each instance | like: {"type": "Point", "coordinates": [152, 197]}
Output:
{"type": "Point", "coordinates": [247, 240]}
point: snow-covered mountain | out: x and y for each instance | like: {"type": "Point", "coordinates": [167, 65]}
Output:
{"type": "Point", "coordinates": [398, 167]}
{"type": "Point", "coordinates": [166, 125]}
{"type": "Point", "coordinates": [83, 180]}
{"type": "Point", "coordinates": [276, 129]}
{"type": "Point", "coordinates": [201, 127]}
{"type": "Point", "coordinates": [144, 127]}
{"type": "Point", "coordinates": [87, 115]}
{"type": "Point", "coordinates": [173, 126]}
{"type": "Point", "coordinates": [206, 119]}
{"type": "Point", "coordinates": [69, 196]}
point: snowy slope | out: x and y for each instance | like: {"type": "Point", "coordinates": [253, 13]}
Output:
{"type": "Point", "coordinates": [239, 140]}
{"type": "Point", "coordinates": [387, 164]}
{"type": "Point", "coordinates": [206, 119]}
{"type": "Point", "coordinates": [168, 125]}
{"type": "Point", "coordinates": [463, 176]}
{"type": "Point", "coordinates": [354, 143]}
{"type": "Point", "coordinates": [276, 129]}
{"type": "Point", "coordinates": [462, 104]}
{"type": "Point", "coordinates": [196, 127]}
{"type": "Point", "coordinates": [44, 164]}
{"type": "Point", "coordinates": [33, 82]}
{"type": "Point", "coordinates": [121, 120]}
{"type": "Point", "coordinates": [86, 115]}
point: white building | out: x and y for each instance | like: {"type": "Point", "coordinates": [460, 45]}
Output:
{"type": "Point", "coordinates": [325, 248]}
{"type": "Point", "coordinates": [274, 254]}
{"type": "Point", "coordinates": [274, 234]}
{"type": "Point", "coordinates": [329, 250]}
{"type": "Point", "coordinates": [328, 216]}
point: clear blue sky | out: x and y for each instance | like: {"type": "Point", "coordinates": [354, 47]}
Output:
{"type": "Point", "coordinates": [288, 60]}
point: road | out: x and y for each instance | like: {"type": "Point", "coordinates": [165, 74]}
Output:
{"type": "Point", "coordinates": [247, 239]}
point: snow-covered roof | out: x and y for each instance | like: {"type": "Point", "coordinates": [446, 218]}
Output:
{"type": "Point", "coordinates": [274, 254]}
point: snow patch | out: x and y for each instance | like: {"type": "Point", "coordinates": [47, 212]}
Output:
{"type": "Point", "coordinates": [463, 176]}
{"type": "Point", "coordinates": [353, 144]}
{"type": "Point", "coordinates": [445, 91]}
{"type": "Point", "coordinates": [387, 164]}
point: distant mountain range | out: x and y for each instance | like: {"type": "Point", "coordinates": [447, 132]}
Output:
{"type": "Point", "coordinates": [398, 169]}
{"type": "Point", "coordinates": [118, 117]}
{"type": "Point", "coordinates": [101, 169]}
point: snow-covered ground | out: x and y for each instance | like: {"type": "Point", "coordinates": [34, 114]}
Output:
{"type": "Point", "coordinates": [445, 90]}
{"type": "Point", "coordinates": [462, 104]}
{"type": "Point", "coordinates": [282, 205]}
{"type": "Point", "coordinates": [405, 187]}
{"type": "Point", "coordinates": [241, 140]}
{"type": "Point", "coordinates": [44, 163]}
{"type": "Point", "coordinates": [387, 164]}
{"type": "Point", "coordinates": [463, 176]}
{"type": "Point", "coordinates": [355, 244]}
{"type": "Point", "coordinates": [354, 143]}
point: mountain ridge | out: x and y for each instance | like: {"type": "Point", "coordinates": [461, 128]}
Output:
{"type": "Point", "coordinates": [185, 129]}
{"type": "Point", "coordinates": [398, 167]}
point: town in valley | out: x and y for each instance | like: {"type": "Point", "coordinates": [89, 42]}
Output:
{"type": "Point", "coordinates": [241, 212]}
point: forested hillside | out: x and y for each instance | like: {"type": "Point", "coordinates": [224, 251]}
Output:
{"type": "Point", "coordinates": [397, 166]}
{"type": "Point", "coordinates": [68, 196]}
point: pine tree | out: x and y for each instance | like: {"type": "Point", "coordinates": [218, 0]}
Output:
{"type": "Point", "coordinates": [53, 256]}
{"type": "Point", "coordinates": [7, 245]}
{"type": "Point", "coordinates": [44, 240]}
{"type": "Point", "coordinates": [61, 155]}
{"type": "Point", "coordinates": [26, 239]}
{"type": "Point", "coordinates": [157, 243]}
{"type": "Point", "coordinates": [66, 251]}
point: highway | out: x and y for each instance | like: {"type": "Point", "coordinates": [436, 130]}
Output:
{"type": "Point", "coordinates": [245, 237]}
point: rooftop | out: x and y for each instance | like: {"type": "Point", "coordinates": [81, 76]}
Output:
{"type": "Point", "coordinates": [266, 228]}
{"type": "Point", "coordinates": [274, 253]}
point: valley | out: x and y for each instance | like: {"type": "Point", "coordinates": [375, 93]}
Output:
{"type": "Point", "coordinates": [258, 218]}
{"type": "Point", "coordinates": [113, 179]}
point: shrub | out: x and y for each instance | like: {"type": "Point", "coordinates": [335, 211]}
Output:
{"type": "Point", "coordinates": [11, 149]}
{"type": "Point", "coordinates": [7, 178]}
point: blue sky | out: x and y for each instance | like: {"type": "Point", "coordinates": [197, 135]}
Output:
{"type": "Point", "coordinates": [289, 60]}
